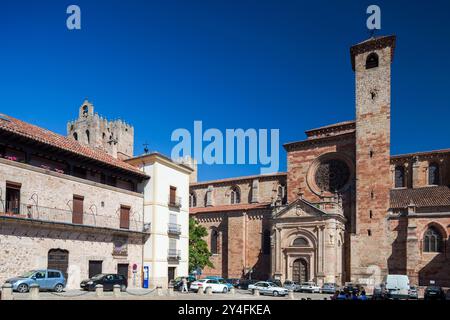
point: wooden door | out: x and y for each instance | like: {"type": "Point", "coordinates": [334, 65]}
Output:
{"type": "Point", "coordinates": [77, 214]}
{"type": "Point", "coordinates": [300, 271]}
{"type": "Point", "coordinates": [173, 194]}
{"type": "Point", "coordinates": [58, 259]}
{"type": "Point", "coordinates": [95, 267]}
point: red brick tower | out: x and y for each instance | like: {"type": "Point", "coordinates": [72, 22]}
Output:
{"type": "Point", "coordinates": [371, 61]}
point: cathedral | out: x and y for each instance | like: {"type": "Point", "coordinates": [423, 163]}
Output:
{"type": "Point", "coordinates": [346, 210]}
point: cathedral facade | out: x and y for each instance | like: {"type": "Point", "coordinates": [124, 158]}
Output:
{"type": "Point", "coordinates": [345, 210]}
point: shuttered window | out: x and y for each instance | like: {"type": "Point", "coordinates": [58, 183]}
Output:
{"type": "Point", "coordinates": [173, 195]}
{"type": "Point", "coordinates": [124, 217]}
{"type": "Point", "coordinates": [77, 214]}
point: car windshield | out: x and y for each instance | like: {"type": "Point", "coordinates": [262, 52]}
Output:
{"type": "Point", "coordinates": [97, 276]}
{"type": "Point", "coordinates": [28, 274]}
{"type": "Point", "coordinates": [271, 284]}
{"type": "Point", "coordinates": [201, 280]}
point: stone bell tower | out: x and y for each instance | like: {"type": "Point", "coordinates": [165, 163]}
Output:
{"type": "Point", "coordinates": [114, 137]}
{"type": "Point", "coordinates": [371, 61]}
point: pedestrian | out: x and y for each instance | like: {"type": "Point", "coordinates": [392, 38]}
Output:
{"type": "Point", "coordinates": [363, 295]}
{"type": "Point", "coordinates": [184, 286]}
{"type": "Point", "coordinates": [335, 295]}
{"type": "Point", "coordinates": [354, 295]}
{"type": "Point", "coordinates": [341, 296]}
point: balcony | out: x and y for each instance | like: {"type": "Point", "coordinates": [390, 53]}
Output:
{"type": "Point", "coordinates": [33, 213]}
{"type": "Point", "coordinates": [174, 202]}
{"type": "Point", "coordinates": [174, 229]}
{"type": "Point", "coordinates": [174, 254]}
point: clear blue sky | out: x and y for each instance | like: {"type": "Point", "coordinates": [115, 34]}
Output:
{"type": "Point", "coordinates": [160, 65]}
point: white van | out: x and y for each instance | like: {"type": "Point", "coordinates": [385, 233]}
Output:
{"type": "Point", "coordinates": [396, 286]}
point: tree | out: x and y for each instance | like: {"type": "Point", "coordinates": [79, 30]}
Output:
{"type": "Point", "coordinates": [198, 248]}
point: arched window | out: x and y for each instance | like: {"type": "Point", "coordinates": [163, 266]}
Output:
{"type": "Point", "coordinates": [214, 242]}
{"type": "Point", "coordinates": [88, 137]}
{"type": "Point", "coordinates": [300, 242]}
{"type": "Point", "coordinates": [266, 242]}
{"type": "Point", "coordinates": [192, 200]}
{"type": "Point", "coordinates": [433, 174]}
{"type": "Point", "coordinates": [75, 136]}
{"type": "Point", "coordinates": [432, 240]}
{"type": "Point", "coordinates": [372, 61]}
{"type": "Point", "coordinates": [399, 177]}
{"type": "Point", "coordinates": [235, 195]}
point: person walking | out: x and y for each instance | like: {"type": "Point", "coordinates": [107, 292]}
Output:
{"type": "Point", "coordinates": [184, 286]}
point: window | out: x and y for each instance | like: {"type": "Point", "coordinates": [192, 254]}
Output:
{"type": "Point", "coordinates": [53, 274]}
{"type": "Point", "coordinates": [192, 200]}
{"type": "Point", "coordinates": [266, 242]}
{"type": "Point", "coordinates": [282, 194]}
{"type": "Point", "coordinates": [235, 195]}
{"type": "Point", "coordinates": [12, 197]}
{"type": "Point", "coordinates": [214, 242]}
{"type": "Point", "coordinates": [75, 136]}
{"type": "Point", "coordinates": [433, 174]}
{"type": "Point", "coordinates": [399, 177]}
{"type": "Point", "coordinates": [300, 242]}
{"type": "Point", "coordinates": [432, 240]}
{"type": "Point", "coordinates": [172, 195]}
{"type": "Point", "coordinates": [124, 217]}
{"type": "Point", "coordinates": [77, 214]}
{"type": "Point", "coordinates": [88, 137]}
{"type": "Point", "coordinates": [372, 61]}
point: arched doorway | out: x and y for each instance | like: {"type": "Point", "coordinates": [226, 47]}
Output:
{"type": "Point", "coordinates": [300, 270]}
{"type": "Point", "coordinates": [58, 259]}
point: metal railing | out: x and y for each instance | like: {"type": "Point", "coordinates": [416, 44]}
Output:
{"type": "Point", "coordinates": [174, 201]}
{"type": "Point", "coordinates": [39, 213]}
{"type": "Point", "coordinates": [174, 228]}
{"type": "Point", "coordinates": [174, 254]}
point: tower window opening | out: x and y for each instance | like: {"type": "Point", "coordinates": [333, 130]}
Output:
{"type": "Point", "coordinates": [372, 61]}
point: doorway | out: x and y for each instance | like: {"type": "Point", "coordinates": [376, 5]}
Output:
{"type": "Point", "coordinates": [58, 259]}
{"type": "Point", "coordinates": [171, 273]}
{"type": "Point", "coordinates": [122, 269]}
{"type": "Point", "coordinates": [300, 270]}
{"type": "Point", "coordinates": [95, 267]}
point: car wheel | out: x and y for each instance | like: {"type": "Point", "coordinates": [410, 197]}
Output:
{"type": "Point", "coordinates": [225, 290]}
{"type": "Point", "coordinates": [22, 288]}
{"type": "Point", "coordinates": [275, 293]}
{"type": "Point", "coordinates": [59, 287]}
{"type": "Point", "coordinates": [123, 288]}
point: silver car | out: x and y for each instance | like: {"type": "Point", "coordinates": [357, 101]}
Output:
{"type": "Point", "coordinates": [291, 285]}
{"type": "Point", "coordinates": [47, 279]}
{"type": "Point", "coordinates": [266, 287]}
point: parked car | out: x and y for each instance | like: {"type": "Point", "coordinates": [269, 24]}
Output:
{"type": "Point", "coordinates": [178, 282]}
{"type": "Point", "coordinates": [234, 282]}
{"type": "Point", "coordinates": [396, 286]}
{"type": "Point", "coordinates": [413, 293]}
{"type": "Point", "coordinates": [47, 279]}
{"type": "Point", "coordinates": [108, 280]}
{"type": "Point", "coordinates": [378, 294]}
{"type": "Point", "coordinates": [276, 281]}
{"type": "Point", "coordinates": [434, 293]}
{"type": "Point", "coordinates": [221, 280]}
{"type": "Point", "coordinates": [243, 284]}
{"type": "Point", "coordinates": [330, 288]}
{"type": "Point", "coordinates": [266, 287]}
{"type": "Point", "coordinates": [291, 285]}
{"type": "Point", "coordinates": [214, 284]}
{"type": "Point", "coordinates": [310, 287]}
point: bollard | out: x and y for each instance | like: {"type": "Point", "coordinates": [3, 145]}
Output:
{"type": "Point", "coordinates": [99, 290]}
{"type": "Point", "coordinates": [208, 291]}
{"type": "Point", "coordinates": [170, 290]}
{"type": "Point", "coordinates": [232, 290]}
{"type": "Point", "coordinates": [159, 291]}
{"type": "Point", "coordinates": [291, 294]}
{"type": "Point", "coordinates": [116, 291]}
{"type": "Point", "coordinates": [34, 291]}
{"type": "Point", "coordinates": [7, 293]}
{"type": "Point", "coordinates": [256, 292]}
{"type": "Point", "coordinates": [200, 290]}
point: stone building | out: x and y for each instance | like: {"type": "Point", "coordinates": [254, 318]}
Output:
{"type": "Point", "coordinates": [345, 210]}
{"type": "Point", "coordinates": [73, 204]}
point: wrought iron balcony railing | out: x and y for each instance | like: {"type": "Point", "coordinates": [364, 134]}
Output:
{"type": "Point", "coordinates": [174, 228]}
{"type": "Point", "coordinates": [174, 202]}
{"type": "Point", "coordinates": [46, 214]}
{"type": "Point", "coordinates": [174, 254]}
